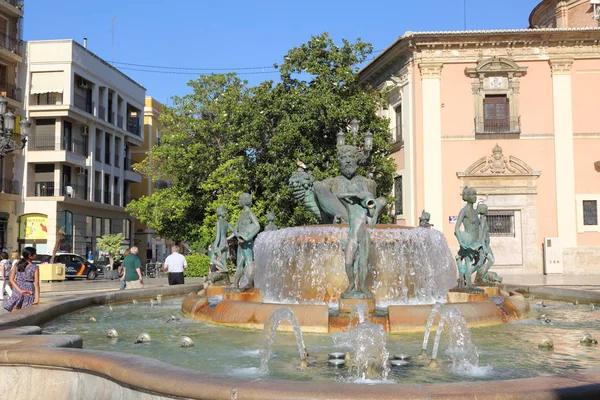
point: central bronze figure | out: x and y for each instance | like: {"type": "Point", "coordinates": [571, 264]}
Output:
{"type": "Point", "coordinates": [350, 199]}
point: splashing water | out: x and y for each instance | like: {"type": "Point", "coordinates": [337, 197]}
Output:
{"type": "Point", "coordinates": [305, 265]}
{"type": "Point", "coordinates": [462, 351]}
{"type": "Point", "coordinates": [281, 314]}
{"type": "Point", "coordinates": [370, 354]}
{"type": "Point", "coordinates": [434, 311]}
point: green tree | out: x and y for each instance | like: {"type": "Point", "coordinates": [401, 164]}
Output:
{"type": "Point", "coordinates": [111, 244]}
{"type": "Point", "coordinates": [226, 138]}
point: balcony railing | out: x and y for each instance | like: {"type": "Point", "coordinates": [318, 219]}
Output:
{"type": "Point", "coordinates": [111, 117]}
{"type": "Point", "coordinates": [10, 186]}
{"type": "Point", "coordinates": [107, 158]}
{"type": "Point", "coordinates": [49, 189]}
{"type": "Point", "coordinates": [11, 44]}
{"type": "Point", "coordinates": [106, 197]}
{"type": "Point", "coordinates": [83, 103]}
{"type": "Point", "coordinates": [120, 121]}
{"type": "Point", "coordinates": [117, 158]}
{"type": "Point", "coordinates": [11, 91]}
{"type": "Point", "coordinates": [16, 3]}
{"type": "Point", "coordinates": [99, 154]}
{"type": "Point", "coordinates": [494, 126]}
{"type": "Point", "coordinates": [42, 143]}
{"type": "Point", "coordinates": [101, 112]}
{"type": "Point", "coordinates": [98, 195]}
{"type": "Point", "coordinates": [117, 199]}
{"type": "Point", "coordinates": [133, 126]}
{"type": "Point", "coordinates": [75, 146]}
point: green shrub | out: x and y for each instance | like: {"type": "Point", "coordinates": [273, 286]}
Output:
{"type": "Point", "coordinates": [198, 265]}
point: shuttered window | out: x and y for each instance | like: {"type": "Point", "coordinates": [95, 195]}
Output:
{"type": "Point", "coordinates": [45, 132]}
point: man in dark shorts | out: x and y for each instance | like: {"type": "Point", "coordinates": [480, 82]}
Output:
{"type": "Point", "coordinates": [175, 264]}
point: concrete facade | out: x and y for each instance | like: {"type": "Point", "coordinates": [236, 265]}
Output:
{"type": "Point", "coordinates": [11, 57]}
{"type": "Point", "coordinates": [510, 113]}
{"type": "Point", "coordinates": [151, 246]}
{"type": "Point", "coordinates": [86, 119]}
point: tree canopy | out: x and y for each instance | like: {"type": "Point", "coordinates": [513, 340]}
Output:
{"type": "Point", "coordinates": [226, 138]}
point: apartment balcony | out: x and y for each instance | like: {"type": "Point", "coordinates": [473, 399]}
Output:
{"type": "Point", "coordinates": [98, 195]}
{"type": "Point", "coordinates": [13, 7]}
{"type": "Point", "coordinates": [133, 126]}
{"type": "Point", "coordinates": [111, 117]}
{"type": "Point", "coordinates": [52, 189]}
{"type": "Point", "coordinates": [83, 103]}
{"type": "Point", "coordinates": [10, 186]}
{"type": "Point", "coordinates": [11, 47]}
{"type": "Point", "coordinates": [11, 91]}
{"type": "Point", "coordinates": [75, 146]}
{"type": "Point", "coordinates": [101, 112]}
{"type": "Point", "coordinates": [120, 121]}
{"type": "Point", "coordinates": [43, 149]}
{"type": "Point", "coordinates": [494, 126]}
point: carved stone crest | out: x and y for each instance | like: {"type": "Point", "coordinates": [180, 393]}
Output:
{"type": "Point", "coordinates": [498, 163]}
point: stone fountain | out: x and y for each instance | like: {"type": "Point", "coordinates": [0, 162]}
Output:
{"type": "Point", "coordinates": [324, 271]}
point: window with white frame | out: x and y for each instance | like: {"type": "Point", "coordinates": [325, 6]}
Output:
{"type": "Point", "coordinates": [588, 209]}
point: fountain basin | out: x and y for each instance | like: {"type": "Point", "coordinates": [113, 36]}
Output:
{"type": "Point", "coordinates": [315, 318]}
{"type": "Point", "coordinates": [48, 359]}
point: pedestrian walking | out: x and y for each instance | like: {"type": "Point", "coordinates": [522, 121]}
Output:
{"type": "Point", "coordinates": [175, 264]}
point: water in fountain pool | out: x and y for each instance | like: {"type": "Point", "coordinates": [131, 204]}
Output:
{"type": "Point", "coordinates": [511, 349]}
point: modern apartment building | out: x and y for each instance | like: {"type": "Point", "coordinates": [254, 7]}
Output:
{"type": "Point", "coordinates": [11, 56]}
{"type": "Point", "coordinates": [151, 246]}
{"type": "Point", "coordinates": [86, 117]}
{"type": "Point", "coordinates": [512, 113]}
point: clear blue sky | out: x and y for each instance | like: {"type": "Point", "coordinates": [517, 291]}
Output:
{"type": "Point", "coordinates": [237, 34]}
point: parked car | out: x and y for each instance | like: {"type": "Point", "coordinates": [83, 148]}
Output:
{"type": "Point", "coordinates": [76, 266]}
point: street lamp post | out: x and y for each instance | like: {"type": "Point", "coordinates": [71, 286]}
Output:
{"type": "Point", "coordinates": [7, 127]}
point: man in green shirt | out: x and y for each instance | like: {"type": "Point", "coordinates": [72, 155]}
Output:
{"type": "Point", "coordinates": [133, 270]}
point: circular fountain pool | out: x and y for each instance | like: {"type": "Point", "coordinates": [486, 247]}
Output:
{"type": "Point", "coordinates": [505, 352]}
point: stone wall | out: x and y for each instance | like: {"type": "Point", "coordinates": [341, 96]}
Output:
{"type": "Point", "coordinates": [581, 260]}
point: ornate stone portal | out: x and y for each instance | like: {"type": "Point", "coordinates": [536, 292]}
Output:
{"type": "Point", "coordinates": [509, 187]}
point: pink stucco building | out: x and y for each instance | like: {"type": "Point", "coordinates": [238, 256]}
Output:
{"type": "Point", "coordinates": [513, 113]}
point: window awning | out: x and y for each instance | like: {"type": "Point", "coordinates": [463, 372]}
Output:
{"type": "Point", "coordinates": [47, 82]}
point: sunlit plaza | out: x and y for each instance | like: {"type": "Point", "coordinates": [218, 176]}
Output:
{"type": "Point", "coordinates": [262, 206]}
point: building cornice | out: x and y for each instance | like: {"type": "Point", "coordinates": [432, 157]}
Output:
{"type": "Point", "coordinates": [470, 46]}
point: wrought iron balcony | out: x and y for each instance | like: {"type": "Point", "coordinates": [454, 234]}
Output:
{"type": "Point", "coordinates": [111, 116]}
{"type": "Point", "coordinates": [494, 126]}
{"type": "Point", "coordinates": [98, 195]}
{"type": "Point", "coordinates": [11, 44]}
{"type": "Point", "coordinates": [11, 91]}
{"type": "Point", "coordinates": [101, 112]}
{"type": "Point", "coordinates": [117, 199]}
{"type": "Point", "coordinates": [106, 197]}
{"type": "Point", "coordinates": [42, 143]}
{"type": "Point", "coordinates": [120, 121]}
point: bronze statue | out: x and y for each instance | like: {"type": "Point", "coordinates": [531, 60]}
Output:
{"type": "Point", "coordinates": [424, 220]}
{"type": "Point", "coordinates": [270, 223]}
{"type": "Point", "coordinates": [246, 229]}
{"type": "Point", "coordinates": [475, 254]}
{"type": "Point", "coordinates": [220, 248]}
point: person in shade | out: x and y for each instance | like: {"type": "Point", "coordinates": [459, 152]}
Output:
{"type": "Point", "coordinates": [133, 270]}
{"type": "Point", "coordinates": [25, 282]}
{"type": "Point", "coordinates": [175, 264]}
